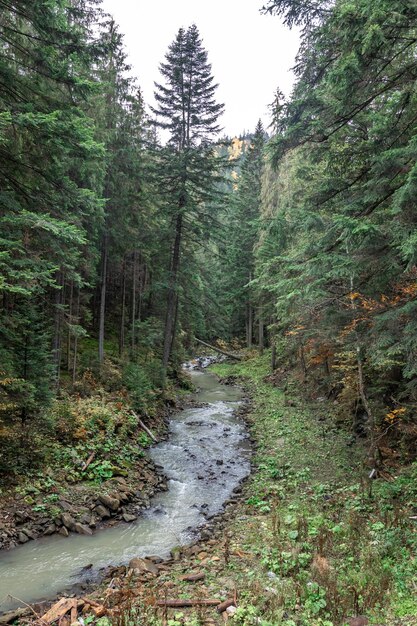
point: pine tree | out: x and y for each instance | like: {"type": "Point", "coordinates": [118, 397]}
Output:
{"type": "Point", "coordinates": [187, 109]}
{"type": "Point", "coordinates": [243, 218]}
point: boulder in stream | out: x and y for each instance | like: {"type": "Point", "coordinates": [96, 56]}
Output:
{"type": "Point", "coordinates": [140, 566]}
{"type": "Point", "coordinates": [110, 502]}
{"type": "Point", "coordinates": [102, 512]}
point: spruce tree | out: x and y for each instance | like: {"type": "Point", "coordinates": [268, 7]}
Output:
{"type": "Point", "coordinates": [187, 109]}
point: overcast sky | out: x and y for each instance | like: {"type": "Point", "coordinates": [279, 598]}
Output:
{"type": "Point", "coordinates": [251, 54]}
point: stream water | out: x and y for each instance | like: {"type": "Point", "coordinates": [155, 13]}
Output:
{"type": "Point", "coordinates": [205, 457]}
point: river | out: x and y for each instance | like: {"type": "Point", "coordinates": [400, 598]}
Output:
{"type": "Point", "coordinates": [205, 457]}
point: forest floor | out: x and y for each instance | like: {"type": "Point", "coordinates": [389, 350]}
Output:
{"type": "Point", "coordinates": [310, 541]}
{"type": "Point", "coordinates": [86, 470]}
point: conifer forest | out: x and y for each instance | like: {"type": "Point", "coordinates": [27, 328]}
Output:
{"type": "Point", "coordinates": [234, 315]}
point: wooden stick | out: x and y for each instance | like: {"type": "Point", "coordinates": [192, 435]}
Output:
{"type": "Point", "coordinates": [26, 605]}
{"type": "Point", "coordinates": [183, 603]}
{"type": "Point", "coordinates": [88, 461]}
{"type": "Point", "coordinates": [191, 578]}
{"type": "Point", "coordinates": [229, 354]}
{"type": "Point", "coordinates": [224, 605]}
{"type": "Point", "coordinates": [145, 428]}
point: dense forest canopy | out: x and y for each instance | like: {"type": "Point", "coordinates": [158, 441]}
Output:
{"type": "Point", "coordinates": [119, 248]}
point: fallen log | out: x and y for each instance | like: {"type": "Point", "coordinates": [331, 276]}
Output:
{"type": "Point", "coordinates": [145, 428]}
{"type": "Point", "coordinates": [192, 578]}
{"type": "Point", "coordinates": [177, 604]}
{"type": "Point", "coordinates": [229, 354]}
{"type": "Point", "coordinates": [6, 618]}
{"type": "Point", "coordinates": [59, 609]}
{"type": "Point", "coordinates": [225, 605]}
{"type": "Point", "coordinates": [88, 461]}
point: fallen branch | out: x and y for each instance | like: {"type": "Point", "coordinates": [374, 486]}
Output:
{"type": "Point", "coordinates": [229, 354]}
{"type": "Point", "coordinates": [88, 461]}
{"type": "Point", "coordinates": [145, 428]}
{"type": "Point", "coordinates": [175, 604]}
{"type": "Point", "coordinates": [28, 608]}
{"type": "Point", "coordinates": [59, 609]}
{"type": "Point", "coordinates": [192, 578]}
{"type": "Point", "coordinates": [225, 605]}
{"type": "Point", "coordinates": [11, 616]}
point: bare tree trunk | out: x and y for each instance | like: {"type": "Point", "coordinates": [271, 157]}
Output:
{"type": "Point", "coordinates": [172, 294]}
{"type": "Point", "coordinates": [123, 312]}
{"type": "Point", "coordinates": [70, 321]}
{"type": "Point", "coordinates": [75, 354]}
{"type": "Point", "coordinates": [56, 347]}
{"type": "Point", "coordinates": [273, 356]}
{"type": "Point", "coordinates": [102, 300]}
{"type": "Point", "coordinates": [135, 276]}
{"type": "Point", "coordinates": [261, 340]}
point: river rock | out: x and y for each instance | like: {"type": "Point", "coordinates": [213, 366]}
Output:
{"type": "Point", "coordinates": [29, 533]}
{"type": "Point", "coordinates": [68, 521]}
{"type": "Point", "coordinates": [143, 565]}
{"type": "Point", "coordinates": [63, 531]}
{"type": "Point", "coordinates": [49, 530]}
{"type": "Point", "coordinates": [102, 512]}
{"type": "Point", "coordinates": [128, 517]}
{"type": "Point", "coordinates": [81, 529]}
{"type": "Point", "coordinates": [22, 538]}
{"type": "Point", "coordinates": [110, 502]}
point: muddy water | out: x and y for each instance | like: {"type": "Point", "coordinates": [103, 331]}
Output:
{"type": "Point", "coordinates": [205, 457]}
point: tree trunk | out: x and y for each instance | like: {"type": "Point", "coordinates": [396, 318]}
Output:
{"type": "Point", "coordinates": [75, 354]}
{"type": "Point", "coordinates": [70, 321]}
{"type": "Point", "coordinates": [56, 347]}
{"type": "Point", "coordinates": [261, 339]}
{"type": "Point", "coordinates": [172, 293]}
{"type": "Point", "coordinates": [102, 301]}
{"type": "Point", "coordinates": [250, 325]}
{"type": "Point", "coordinates": [135, 277]}
{"type": "Point", "coordinates": [123, 312]}
{"type": "Point", "coordinates": [273, 356]}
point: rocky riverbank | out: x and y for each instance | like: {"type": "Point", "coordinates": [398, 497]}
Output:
{"type": "Point", "coordinates": [81, 508]}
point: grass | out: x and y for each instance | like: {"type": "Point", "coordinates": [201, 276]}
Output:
{"type": "Point", "coordinates": [320, 543]}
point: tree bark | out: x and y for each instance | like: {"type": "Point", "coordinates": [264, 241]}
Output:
{"type": "Point", "coordinates": [75, 354]}
{"type": "Point", "coordinates": [123, 312]}
{"type": "Point", "coordinates": [172, 292]}
{"type": "Point", "coordinates": [261, 340]}
{"type": "Point", "coordinates": [102, 301]}
{"type": "Point", "coordinates": [135, 272]}
{"type": "Point", "coordinates": [273, 356]}
{"type": "Point", "coordinates": [229, 354]}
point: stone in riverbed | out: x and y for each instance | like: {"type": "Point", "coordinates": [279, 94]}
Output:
{"type": "Point", "coordinates": [128, 517]}
{"type": "Point", "coordinates": [63, 531]}
{"type": "Point", "coordinates": [102, 512]}
{"type": "Point", "coordinates": [68, 521]}
{"type": "Point", "coordinates": [111, 503]}
{"type": "Point", "coordinates": [22, 538]}
{"type": "Point", "coordinates": [49, 530]}
{"type": "Point", "coordinates": [143, 565]}
{"type": "Point", "coordinates": [81, 529]}
{"type": "Point", "coordinates": [29, 533]}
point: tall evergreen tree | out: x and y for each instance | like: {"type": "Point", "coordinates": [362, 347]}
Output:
{"type": "Point", "coordinates": [187, 109]}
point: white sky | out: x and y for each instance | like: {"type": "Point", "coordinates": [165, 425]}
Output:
{"type": "Point", "coordinates": [251, 54]}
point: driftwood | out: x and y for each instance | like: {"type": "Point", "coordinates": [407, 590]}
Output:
{"type": "Point", "coordinates": [145, 428]}
{"type": "Point", "coordinates": [229, 354]}
{"type": "Point", "coordinates": [59, 609]}
{"type": "Point", "coordinates": [10, 616]}
{"type": "Point", "coordinates": [225, 605]}
{"type": "Point", "coordinates": [176, 604]}
{"type": "Point", "coordinates": [98, 609]}
{"type": "Point", "coordinates": [88, 461]}
{"type": "Point", "coordinates": [192, 578]}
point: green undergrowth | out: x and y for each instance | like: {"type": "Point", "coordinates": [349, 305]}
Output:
{"type": "Point", "coordinates": [319, 541]}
